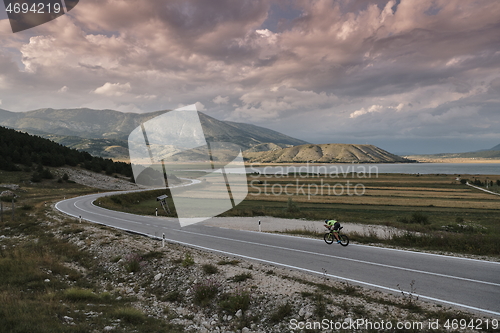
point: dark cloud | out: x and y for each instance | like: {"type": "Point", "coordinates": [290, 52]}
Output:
{"type": "Point", "coordinates": [372, 68]}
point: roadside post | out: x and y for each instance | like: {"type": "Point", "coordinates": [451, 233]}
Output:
{"type": "Point", "coordinates": [163, 240]}
{"type": "Point", "coordinates": [260, 230]}
{"type": "Point", "coordinates": [80, 218]}
{"type": "Point", "coordinates": [156, 211]}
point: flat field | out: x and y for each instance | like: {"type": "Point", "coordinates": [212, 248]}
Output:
{"type": "Point", "coordinates": [383, 199]}
{"type": "Point", "coordinates": [455, 216]}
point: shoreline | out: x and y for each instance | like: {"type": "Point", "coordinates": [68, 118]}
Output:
{"type": "Point", "coordinates": [421, 161]}
{"type": "Point", "coordinates": [457, 160]}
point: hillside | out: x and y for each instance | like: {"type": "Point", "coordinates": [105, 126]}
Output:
{"type": "Point", "coordinates": [22, 149]}
{"type": "Point", "coordinates": [106, 148]}
{"type": "Point", "coordinates": [105, 132]}
{"type": "Point", "coordinates": [85, 123]}
{"type": "Point", "coordinates": [486, 154]}
{"type": "Point", "coordinates": [326, 153]}
{"type": "Point", "coordinates": [497, 147]}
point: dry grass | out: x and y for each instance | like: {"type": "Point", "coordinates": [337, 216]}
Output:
{"type": "Point", "coordinates": [30, 304]}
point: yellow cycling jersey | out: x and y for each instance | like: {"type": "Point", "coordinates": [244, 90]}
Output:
{"type": "Point", "coordinates": [331, 222]}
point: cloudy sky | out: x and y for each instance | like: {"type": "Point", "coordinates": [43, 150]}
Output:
{"type": "Point", "coordinates": [417, 76]}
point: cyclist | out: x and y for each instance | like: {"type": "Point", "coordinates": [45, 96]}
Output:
{"type": "Point", "coordinates": [336, 226]}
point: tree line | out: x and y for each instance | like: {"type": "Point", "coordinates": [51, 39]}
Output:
{"type": "Point", "coordinates": [22, 149]}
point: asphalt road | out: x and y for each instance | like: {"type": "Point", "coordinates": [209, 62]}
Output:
{"type": "Point", "coordinates": [460, 282]}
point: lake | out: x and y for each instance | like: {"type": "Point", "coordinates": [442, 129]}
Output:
{"type": "Point", "coordinates": [406, 168]}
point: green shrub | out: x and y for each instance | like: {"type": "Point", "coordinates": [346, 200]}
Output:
{"type": "Point", "coordinates": [129, 315]}
{"type": "Point", "coordinates": [419, 218]}
{"type": "Point", "coordinates": [80, 295]}
{"type": "Point", "coordinates": [291, 207]}
{"type": "Point", "coordinates": [188, 260]}
{"type": "Point", "coordinates": [477, 182]}
{"type": "Point", "coordinates": [349, 289]}
{"type": "Point", "coordinates": [116, 199]}
{"type": "Point", "coordinates": [416, 218]}
{"type": "Point", "coordinates": [210, 269]}
{"type": "Point", "coordinates": [319, 305]}
{"type": "Point", "coordinates": [153, 255]}
{"type": "Point", "coordinates": [36, 177]}
{"type": "Point", "coordinates": [173, 296]}
{"type": "Point", "coordinates": [46, 174]}
{"type": "Point", "coordinates": [204, 292]}
{"type": "Point", "coordinates": [232, 302]}
{"type": "Point", "coordinates": [133, 263]}
{"type": "Point", "coordinates": [281, 313]}
{"type": "Point", "coordinates": [241, 277]}
{"type": "Point", "coordinates": [403, 219]}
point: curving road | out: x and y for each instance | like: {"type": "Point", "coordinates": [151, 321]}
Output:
{"type": "Point", "coordinates": [467, 283]}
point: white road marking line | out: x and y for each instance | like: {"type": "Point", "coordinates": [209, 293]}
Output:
{"type": "Point", "coordinates": [348, 259]}
{"type": "Point", "coordinates": [306, 252]}
{"type": "Point", "coordinates": [369, 246]}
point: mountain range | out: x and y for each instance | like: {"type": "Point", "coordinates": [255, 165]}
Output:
{"type": "Point", "coordinates": [492, 153]}
{"type": "Point", "coordinates": [105, 132]}
{"type": "Point", "coordinates": [497, 147]}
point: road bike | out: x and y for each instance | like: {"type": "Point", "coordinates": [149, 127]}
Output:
{"type": "Point", "coordinates": [330, 238]}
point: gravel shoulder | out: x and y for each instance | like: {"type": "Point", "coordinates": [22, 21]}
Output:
{"type": "Point", "coordinates": [274, 224]}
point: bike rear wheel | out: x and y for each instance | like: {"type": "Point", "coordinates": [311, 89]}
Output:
{"type": "Point", "coordinates": [344, 240]}
{"type": "Point", "coordinates": [329, 238]}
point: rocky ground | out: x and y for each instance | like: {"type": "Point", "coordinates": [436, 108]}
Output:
{"type": "Point", "coordinates": [206, 292]}
{"type": "Point", "coordinates": [96, 180]}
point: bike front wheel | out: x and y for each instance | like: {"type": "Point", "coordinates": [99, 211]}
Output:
{"type": "Point", "coordinates": [344, 240]}
{"type": "Point", "coordinates": [329, 238]}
